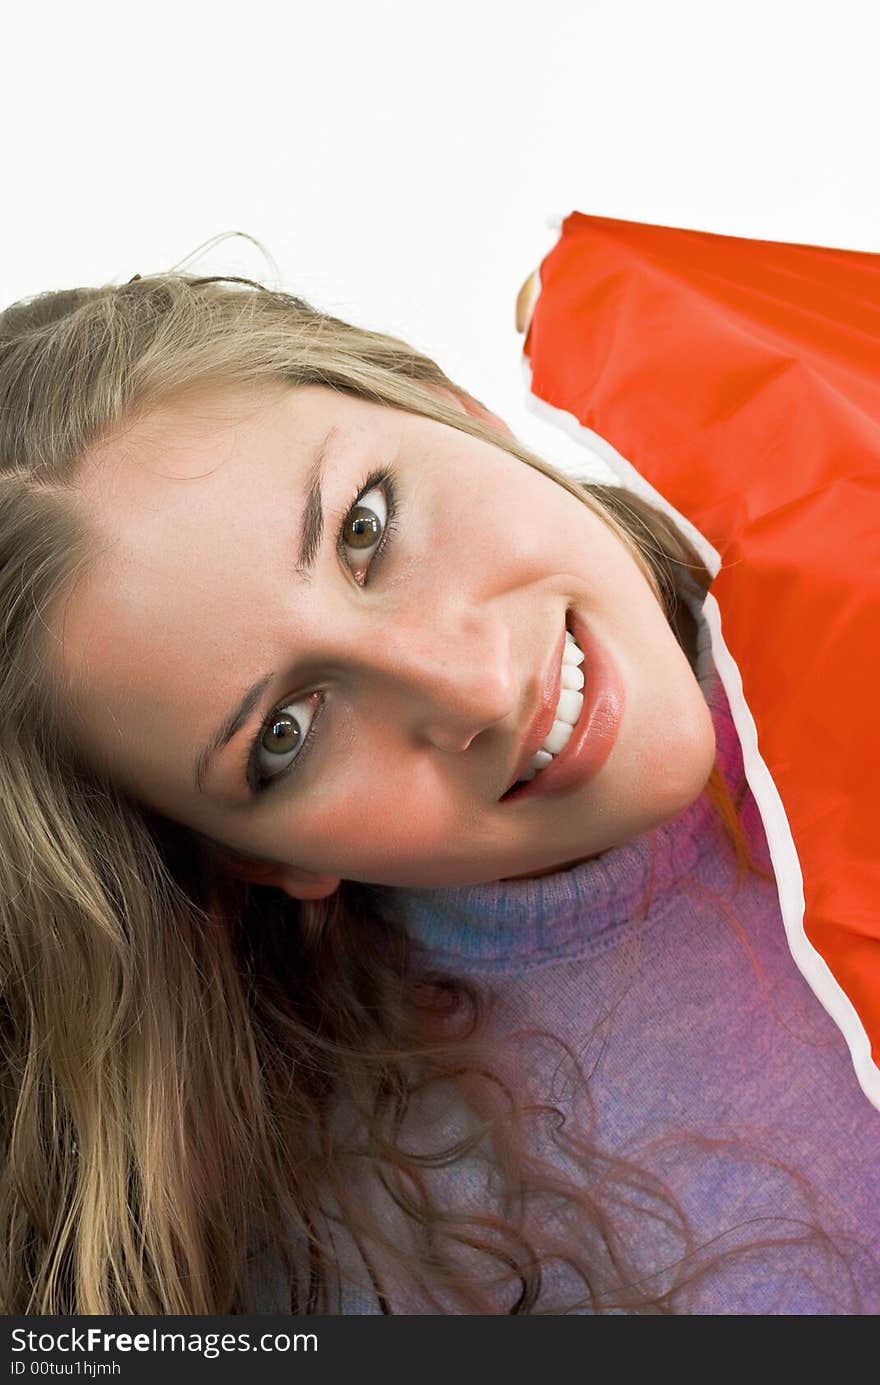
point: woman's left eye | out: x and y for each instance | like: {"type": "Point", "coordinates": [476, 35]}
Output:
{"type": "Point", "coordinates": [365, 524]}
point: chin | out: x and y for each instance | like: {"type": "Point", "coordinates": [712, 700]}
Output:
{"type": "Point", "coordinates": [665, 769]}
{"type": "Point", "coordinates": [688, 758]}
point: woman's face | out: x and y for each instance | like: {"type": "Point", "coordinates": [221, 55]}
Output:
{"type": "Point", "coordinates": [408, 677]}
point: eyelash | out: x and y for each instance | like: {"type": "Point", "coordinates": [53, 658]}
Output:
{"type": "Point", "coordinates": [383, 479]}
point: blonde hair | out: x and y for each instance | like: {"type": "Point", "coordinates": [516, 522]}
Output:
{"type": "Point", "coordinates": [175, 1041]}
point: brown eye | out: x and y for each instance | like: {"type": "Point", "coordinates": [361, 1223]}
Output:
{"type": "Point", "coordinates": [364, 524]}
{"type": "Point", "coordinates": [283, 736]}
{"type": "Point", "coordinates": [365, 527]}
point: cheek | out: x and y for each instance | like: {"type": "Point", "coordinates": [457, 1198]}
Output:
{"type": "Point", "coordinates": [514, 514]}
{"type": "Point", "coordinates": [395, 819]}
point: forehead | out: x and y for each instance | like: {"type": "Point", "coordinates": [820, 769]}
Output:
{"type": "Point", "coordinates": [162, 458]}
{"type": "Point", "coordinates": [143, 490]}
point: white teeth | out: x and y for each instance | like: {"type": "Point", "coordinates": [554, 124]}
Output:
{"type": "Point", "coordinates": [568, 709]}
{"type": "Point", "coordinates": [569, 705]}
{"type": "Point", "coordinates": [539, 760]}
{"type": "Point", "coordinates": [560, 734]}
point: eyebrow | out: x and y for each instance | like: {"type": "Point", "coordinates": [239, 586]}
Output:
{"type": "Point", "coordinates": [309, 548]}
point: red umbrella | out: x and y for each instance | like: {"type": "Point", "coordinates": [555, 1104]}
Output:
{"type": "Point", "coordinates": [740, 379]}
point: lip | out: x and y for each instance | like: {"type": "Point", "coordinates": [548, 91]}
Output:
{"type": "Point", "coordinates": [547, 703]}
{"type": "Point", "coordinates": [593, 738]}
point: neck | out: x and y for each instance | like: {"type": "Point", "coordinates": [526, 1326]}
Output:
{"type": "Point", "coordinates": [551, 870]}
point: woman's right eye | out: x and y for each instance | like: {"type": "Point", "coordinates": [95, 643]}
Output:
{"type": "Point", "coordinates": [285, 733]}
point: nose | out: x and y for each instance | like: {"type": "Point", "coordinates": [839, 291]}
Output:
{"type": "Point", "coordinates": [448, 678]}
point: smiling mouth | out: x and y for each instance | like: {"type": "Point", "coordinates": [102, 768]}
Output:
{"type": "Point", "coordinates": [564, 715]}
{"type": "Point", "coordinates": [583, 752]}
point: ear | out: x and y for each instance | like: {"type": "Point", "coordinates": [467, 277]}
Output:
{"type": "Point", "coordinates": [466, 405]}
{"type": "Point", "coordinates": [299, 884]}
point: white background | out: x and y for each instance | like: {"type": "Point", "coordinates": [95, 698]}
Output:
{"type": "Point", "coordinates": [400, 161]}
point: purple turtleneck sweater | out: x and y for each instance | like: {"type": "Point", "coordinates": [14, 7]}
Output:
{"type": "Point", "coordinates": [691, 1019]}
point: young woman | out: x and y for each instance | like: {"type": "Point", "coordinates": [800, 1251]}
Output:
{"type": "Point", "coordinates": [386, 922]}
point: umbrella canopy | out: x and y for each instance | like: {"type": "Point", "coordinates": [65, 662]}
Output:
{"type": "Point", "coordinates": [737, 383]}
